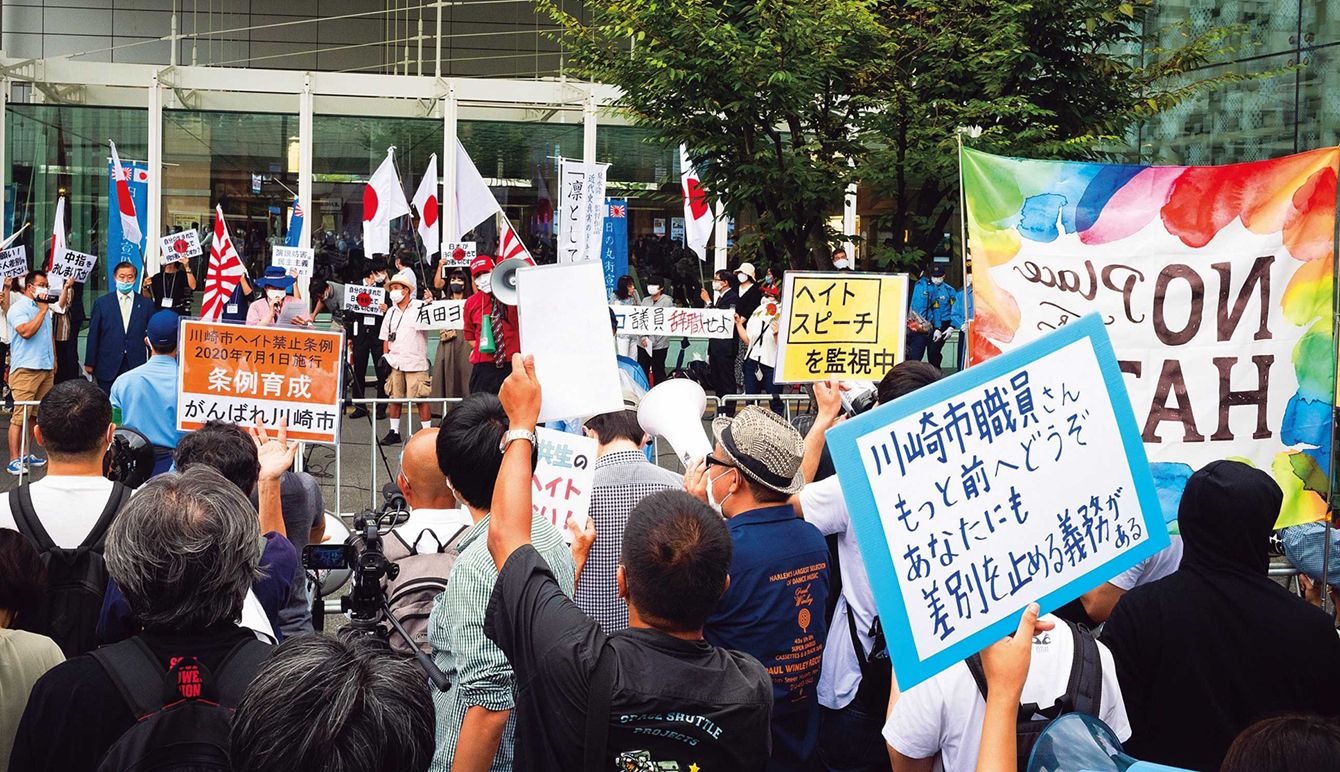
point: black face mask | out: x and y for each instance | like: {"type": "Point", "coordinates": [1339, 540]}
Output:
{"type": "Point", "coordinates": [457, 287]}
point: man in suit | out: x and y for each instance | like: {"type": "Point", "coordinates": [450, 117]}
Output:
{"type": "Point", "coordinates": [117, 329]}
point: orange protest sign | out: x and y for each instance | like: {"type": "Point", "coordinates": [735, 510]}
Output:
{"type": "Point", "coordinates": [272, 374]}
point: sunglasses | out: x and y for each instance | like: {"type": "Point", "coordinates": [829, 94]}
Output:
{"type": "Point", "coordinates": [712, 461]}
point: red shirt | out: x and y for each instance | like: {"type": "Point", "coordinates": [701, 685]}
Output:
{"type": "Point", "coordinates": [476, 307]}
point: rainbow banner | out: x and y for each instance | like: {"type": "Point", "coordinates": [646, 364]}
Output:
{"type": "Point", "coordinates": [1217, 287]}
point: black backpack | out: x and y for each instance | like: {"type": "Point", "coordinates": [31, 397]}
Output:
{"type": "Point", "coordinates": [76, 578]}
{"type": "Point", "coordinates": [1083, 693]}
{"type": "Point", "coordinates": [183, 716]}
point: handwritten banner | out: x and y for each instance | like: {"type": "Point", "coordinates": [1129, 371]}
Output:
{"type": "Point", "coordinates": [71, 266]}
{"type": "Point", "coordinates": [685, 322]}
{"type": "Point", "coordinates": [563, 478]}
{"type": "Point", "coordinates": [296, 261]}
{"type": "Point", "coordinates": [180, 246]}
{"type": "Point", "coordinates": [14, 262]}
{"type": "Point", "coordinates": [582, 205]}
{"type": "Point", "coordinates": [841, 325]}
{"type": "Point", "coordinates": [457, 254]}
{"type": "Point", "coordinates": [247, 374]}
{"type": "Point", "coordinates": [440, 315]}
{"type": "Point", "coordinates": [1216, 286]}
{"type": "Point", "coordinates": [363, 299]}
{"type": "Point", "coordinates": [1020, 480]}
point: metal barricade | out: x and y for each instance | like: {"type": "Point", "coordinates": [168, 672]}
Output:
{"type": "Point", "coordinates": [763, 400]}
{"type": "Point", "coordinates": [24, 449]}
{"type": "Point", "coordinates": [374, 447]}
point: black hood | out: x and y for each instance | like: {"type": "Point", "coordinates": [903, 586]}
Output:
{"type": "Point", "coordinates": [1227, 512]}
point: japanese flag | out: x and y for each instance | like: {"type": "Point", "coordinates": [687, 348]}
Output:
{"type": "Point", "coordinates": [224, 273]}
{"type": "Point", "coordinates": [57, 234]}
{"type": "Point", "coordinates": [125, 205]}
{"type": "Point", "coordinates": [510, 246]}
{"type": "Point", "coordinates": [383, 201]}
{"type": "Point", "coordinates": [425, 201]}
{"type": "Point", "coordinates": [698, 220]}
{"type": "Point", "coordinates": [474, 200]}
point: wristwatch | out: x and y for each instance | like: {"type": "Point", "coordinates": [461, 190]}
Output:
{"type": "Point", "coordinates": [513, 435]}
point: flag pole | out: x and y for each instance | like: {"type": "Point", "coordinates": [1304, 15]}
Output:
{"type": "Point", "coordinates": [965, 338]}
{"type": "Point", "coordinates": [1326, 604]}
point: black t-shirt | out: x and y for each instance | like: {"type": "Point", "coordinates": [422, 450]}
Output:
{"type": "Point", "coordinates": [676, 701]}
{"type": "Point", "coordinates": [75, 712]}
{"type": "Point", "coordinates": [174, 285]}
{"type": "Point", "coordinates": [749, 301]}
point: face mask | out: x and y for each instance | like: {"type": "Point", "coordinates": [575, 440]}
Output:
{"type": "Point", "coordinates": [125, 287]}
{"type": "Point", "coordinates": [379, 278]}
{"type": "Point", "coordinates": [275, 294]}
{"type": "Point", "coordinates": [841, 264]}
{"type": "Point", "coordinates": [397, 296]}
{"type": "Point", "coordinates": [483, 282]}
{"type": "Point", "coordinates": [721, 286]}
{"type": "Point", "coordinates": [712, 499]}
{"type": "Point", "coordinates": [743, 277]}
{"type": "Point", "coordinates": [458, 286]}
{"type": "Point", "coordinates": [937, 280]}
{"type": "Point", "coordinates": [653, 289]}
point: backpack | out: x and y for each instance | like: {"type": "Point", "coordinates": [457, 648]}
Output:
{"type": "Point", "coordinates": [425, 565]}
{"type": "Point", "coordinates": [1083, 692]}
{"type": "Point", "coordinates": [183, 715]}
{"type": "Point", "coordinates": [76, 578]}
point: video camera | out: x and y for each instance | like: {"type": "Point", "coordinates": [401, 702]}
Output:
{"type": "Point", "coordinates": [366, 603]}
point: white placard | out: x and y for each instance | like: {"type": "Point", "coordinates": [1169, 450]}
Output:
{"type": "Point", "coordinates": [565, 324]}
{"type": "Point", "coordinates": [582, 204]}
{"type": "Point", "coordinates": [457, 254]}
{"type": "Point", "coordinates": [72, 266]}
{"type": "Point", "coordinates": [296, 261]}
{"type": "Point", "coordinates": [362, 299]}
{"type": "Point", "coordinates": [563, 477]}
{"type": "Point", "coordinates": [440, 315]}
{"type": "Point", "coordinates": [180, 246]}
{"type": "Point", "coordinates": [681, 322]}
{"type": "Point", "coordinates": [677, 229]}
{"type": "Point", "coordinates": [14, 262]}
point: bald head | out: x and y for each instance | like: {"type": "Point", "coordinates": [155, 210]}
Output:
{"type": "Point", "coordinates": [421, 480]}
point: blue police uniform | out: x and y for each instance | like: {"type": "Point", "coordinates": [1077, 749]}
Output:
{"type": "Point", "coordinates": [936, 304]}
{"type": "Point", "coordinates": [147, 397]}
{"type": "Point", "coordinates": [774, 611]}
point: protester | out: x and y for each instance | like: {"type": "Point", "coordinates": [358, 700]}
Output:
{"type": "Point", "coordinates": [361, 331]}
{"type": "Point", "coordinates": [475, 722]}
{"type": "Point", "coordinates": [759, 335]}
{"type": "Point", "coordinates": [658, 696]}
{"type": "Point", "coordinates": [65, 326]}
{"type": "Point", "coordinates": [337, 705]}
{"type": "Point", "coordinates": [840, 261]}
{"type": "Point", "coordinates": [856, 676]}
{"type": "Point", "coordinates": [32, 364]}
{"type": "Point", "coordinates": [751, 294]}
{"type": "Point", "coordinates": [1285, 744]}
{"type": "Point", "coordinates": [71, 507]}
{"type": "Point", "coordinates": [1096, 605]}
{"type": "Point", "coordinates": [304, 511]}
{"type": "Point", "coordinates": [184, 550]}
{"type": "Point", "coordinates": [171, 287]}
{"type": "Point", "coordinates": [24, 656]}
{"type": "Point", "coordinates": [625, 294]}
{"type": "Point", "coordinates": [721, 351]}
{"type": "Point", "coordinates": [491, 329]}
{"type": "Point", "coordinates": [116, 330]}
{"type": "Point", "coordinates": [773, 609]}
{"type": "Point", "coordinates": [451, 365]}
{"type": "Point", "coordinates": [1203, 653]}
{"type": "Point", "coordinates": [623, 477]}
{"type": "Point", "coordinates": [405, 348]}
{"type": "Point", "coordinates": [237, 307]}
{"type": "Point", "coordinates": [652, 350]}
{"type": "Point", "coordinates": [933, 302]}
{"type": "Point", "coordinates": [1006, 666]}
{"type": "Point", "coordinates": [279, 301]}
{"type": "Point", "coordinates": [147, 395]}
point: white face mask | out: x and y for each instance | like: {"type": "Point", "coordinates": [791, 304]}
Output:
{"type": "Point", "coordinates": [483, 282]}
{"type": "Point", "coordinates": [397, 295]}
{"type": "Point", "coordinates": [379, 278]}
{"type": "Point", "coordinates": [743, 277]}
{"type": "Point", "coordinates": [721, 286]}
{"type": "Point", "coordinates": [937, 280]}
{"type": "Point", "coordinates": [712, 499]}
{"type": "Point", "coordinates": [653, 289]}
{"type": "Point", "coordinates": [841, 264]}
{"type": "Point", "coordinates": [275, 294]}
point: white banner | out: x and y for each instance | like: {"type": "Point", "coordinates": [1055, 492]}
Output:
{"type": "Point", "coordinates": [180, 246]}
{"type": "Point", "coordinates": [14, 262]}
{"type": "Point", "coordinates": [581, 202]}
{"type": "Point", "coordinates": [296, 261]}
{"type": "Point", "coordinates": [563, 478]}
{"type": "Point", "coordinates": [457, 254]}
{"type": "Point", "coordinates": [682, 322]}
{"type": "Point", "coordinates": [440, 315]}
{"type": "Point", "coordinates": [71, 266]}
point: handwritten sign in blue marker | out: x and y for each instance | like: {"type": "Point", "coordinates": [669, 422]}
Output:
{"type": "Point", "coordinates": [1022, 479]}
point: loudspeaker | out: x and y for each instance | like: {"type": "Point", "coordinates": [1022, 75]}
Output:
{"type": "Point", "coordinates": [503, 279]}
{"type": "Point", "coordinates": [1076, 742]}
{"type": "Point", "coordinates": [674, 410]}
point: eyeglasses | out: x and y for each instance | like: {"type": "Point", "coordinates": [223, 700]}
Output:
{"type": "Point", "coordinates": [712, 461]}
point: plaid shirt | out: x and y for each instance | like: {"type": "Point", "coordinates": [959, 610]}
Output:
{"type": "Point", "coordinates": [623, 478]}
{"type": "Point", "coordinates": [478, 670]}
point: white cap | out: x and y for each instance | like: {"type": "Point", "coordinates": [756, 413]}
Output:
{"type": "Point", "coordinates": [406, 277]}
{"type": "Point", "coordinates": [746, 269]}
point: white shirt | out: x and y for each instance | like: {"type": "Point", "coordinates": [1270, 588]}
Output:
{"type": "Point", "coordinates": [840, 673]}
{"type": "Point", "coordinates": [762, 341]}
{"type": "Point", "coordinates": [944, 715]}
{"type": "Point", "coordinates": [441, 523]}
{"type": "Point", "coordinates": [67, 505]}
{"type": "Point", "coordinates": [1152, 568]}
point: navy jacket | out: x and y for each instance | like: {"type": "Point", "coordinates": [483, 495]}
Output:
{"type": "Point", "coordinates": [112, 349]}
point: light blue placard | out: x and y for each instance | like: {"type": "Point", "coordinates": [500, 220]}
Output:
{"type": "Point", "coordinates": [909, 666]}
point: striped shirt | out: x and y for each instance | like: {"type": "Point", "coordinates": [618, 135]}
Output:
{"type": "Point", "coordinates": [622, 479]}
{"type": "Point", "coordinates": [477, 668]}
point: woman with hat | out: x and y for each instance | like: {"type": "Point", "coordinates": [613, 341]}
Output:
{"type": "Point", "coordinates": [451, 364]}
{"type": "Point", "coordinates": [278, 288]}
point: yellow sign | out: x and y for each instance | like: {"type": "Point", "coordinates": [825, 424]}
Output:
{"type": "Point", "coordinates": [844, 325]}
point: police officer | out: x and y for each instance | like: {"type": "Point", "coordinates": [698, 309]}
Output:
{"type": "Point", "coordinates": [933, 302]}
{"type": "Point", "coordinates": [361, 331]}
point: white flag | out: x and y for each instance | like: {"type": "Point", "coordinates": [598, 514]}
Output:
{"type": "Point", "coordinates": [57, 234]}
{"type": "Point", "coordinates": [474, 200]}
{"type": "Point", "coordinates": [383, 201]}
{"type": "Point", "coordinates": [698, 220]}
{"type": "Point", "coordinates": [425, 200]}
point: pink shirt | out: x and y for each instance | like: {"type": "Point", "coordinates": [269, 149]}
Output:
{"type": "Point", "coordinates": [408, 353]}
{"type": "Point", "coordinates": [258, 314]}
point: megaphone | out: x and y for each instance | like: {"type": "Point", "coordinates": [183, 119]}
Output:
{"type": "Point", "coordinates": [503, 279]}
{"type": "Point", "coordinates": [1076, 742]}
{"type": "Point", "coordinates": [674, 409]}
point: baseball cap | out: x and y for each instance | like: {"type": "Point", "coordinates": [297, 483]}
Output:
{"type": "Point", "coordinates": [937, 269]}
{"type": "Point", "coordinates": [481, 264]}
{"type": "Point", "coordinates": [767, 449]}
{"type": "Point", "coordinates": [162, 328]}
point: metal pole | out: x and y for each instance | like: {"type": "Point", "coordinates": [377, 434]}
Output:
{"type": "Point", "coordinates": [719, 252]}
{"type": "Point", "coordinates": [339, 474]}
{"type": "Point", "coordinates": [419, 42]}
{"type": "Point", "coordinates": [963, 246]}
{"type": "Point", "coordinates": [4, 158]}
{"type": "Point", "coordinates": [172, 38]}
{"type": "Point", "coordinates": [589, 129]}
{"type": "Point", "coordinates": [1326, 604]}
{"type": "Point", "coordinates": [305, 118]}
{"type": "Point", "coordinates": [437, 66]}
{"type": "Point", "coordinates": [449, 110]}
{"type": "Point", "coordinates": [154, 216]}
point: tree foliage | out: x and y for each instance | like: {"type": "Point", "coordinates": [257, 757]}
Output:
{"type": "Point", "coordinates": [782, 103]}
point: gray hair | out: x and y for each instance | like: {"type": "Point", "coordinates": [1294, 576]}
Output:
{"type": "Point", "coordinates": [185, 550]}
{"type": "Point", "coordinates": [328, 704]}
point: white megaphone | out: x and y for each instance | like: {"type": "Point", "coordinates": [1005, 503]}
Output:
{"type": "Point", "coordinates": [1077, 742]}
{"type": "Point", "coordinates": [674, 410]}
{"type": "Point", "coordinates": [503, 279]}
